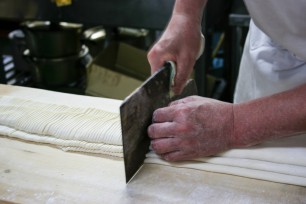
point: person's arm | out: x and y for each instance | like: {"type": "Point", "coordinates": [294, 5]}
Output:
{"type": "Point", "coordinates": [180, 41]}
{"type": "Point", "coordinates": [272, 117]}
{"type": "Point", "coordinates": [196, 126]}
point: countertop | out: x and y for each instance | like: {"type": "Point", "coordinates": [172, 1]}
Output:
{"type": "Point", "coordinates": [36, 173]}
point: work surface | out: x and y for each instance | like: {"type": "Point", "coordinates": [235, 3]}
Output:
{"type": "Point", "coordinates": [38, 173]}
{"type": "Point", "coordinates": [31, 173]}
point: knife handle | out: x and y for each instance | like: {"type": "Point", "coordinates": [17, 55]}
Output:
{"type": "Point", "coordinates": [172, 66]}
{"type": "Point", "coordinates": [202, 46]}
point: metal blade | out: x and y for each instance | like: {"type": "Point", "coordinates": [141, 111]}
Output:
{"type": "Point", "coordinates": [136, 116]}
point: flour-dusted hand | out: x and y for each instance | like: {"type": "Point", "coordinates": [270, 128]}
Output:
{"type": "Point", "coordinates": [180, 42]}
{"type": "Point", "coordinates": [192, 127]}
{"type": "Point", "coordinates": [179, 45]}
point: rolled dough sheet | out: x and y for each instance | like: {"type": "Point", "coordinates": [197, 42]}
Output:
{"type": "Point", "coordinates": [83, 129]}
{"type": "Point", "coordinates": [281, 161]}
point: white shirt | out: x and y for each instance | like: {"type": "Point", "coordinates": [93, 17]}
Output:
{"type": "Point", "coordinates": [271, 66]}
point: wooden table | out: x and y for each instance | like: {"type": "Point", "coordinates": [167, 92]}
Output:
{"type": "Point", "coordinates": [33, 173]}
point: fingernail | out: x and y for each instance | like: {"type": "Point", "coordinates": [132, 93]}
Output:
{"type": "Point", "coordinates": [149, 131]}
{"type": "Point", "coordinates": [154, 117]}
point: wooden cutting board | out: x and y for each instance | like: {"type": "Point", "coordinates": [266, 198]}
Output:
{"type": "Point", "coordinates": [31, 173]}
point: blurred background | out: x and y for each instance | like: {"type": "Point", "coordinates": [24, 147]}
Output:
{"type": "Point", "coordinates": [99, 47]}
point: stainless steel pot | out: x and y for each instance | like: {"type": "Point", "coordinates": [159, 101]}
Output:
{"type": "Point", "coordinates": [47, 39]}
{"type": "Point", "coordinates": [58, 71]}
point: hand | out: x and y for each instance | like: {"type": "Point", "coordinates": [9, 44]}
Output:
{"type": "Point", "coordinates": [192, 127]}
{"type": "Point", "coordinates": [180, 43]}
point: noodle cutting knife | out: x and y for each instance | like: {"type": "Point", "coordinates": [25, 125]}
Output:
{"type": "Point", "coordinates": [136, 114]}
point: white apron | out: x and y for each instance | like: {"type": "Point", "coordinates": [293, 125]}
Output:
{"type": "Point", "coordinates": [271, 66]}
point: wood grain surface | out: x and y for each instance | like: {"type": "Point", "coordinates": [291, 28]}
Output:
{"type": "Point", "coordinates": [33, 173]}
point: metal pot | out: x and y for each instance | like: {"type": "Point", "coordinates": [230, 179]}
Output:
{"type": "Point", "coordinates": [46, 39]}
{"type": "Point", "coordinates": [58, 71]}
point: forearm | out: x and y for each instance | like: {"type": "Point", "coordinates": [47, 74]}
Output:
{"type": "Point", "coordinates": [180, 42]}
{"type": "Point", "coordinates": [271, 117]}
{"type": "Point", "coordinates": [193, 9]}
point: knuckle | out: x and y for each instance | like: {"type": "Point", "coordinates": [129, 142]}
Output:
{"type": "Point", "coordinates": [151, 55]}
{"type": "Point", "coordinates": [152, 51]}
{"type": "Point", "coordinates": [184, 128]}
{"type": "Point", "coordinates": [184, 111]}
{"type": "Point", "coordinates": [192, 98]}
{"type": "Point", "coordinates": [156, 49]}
{"type": "Point", "coordinates": [185, 144]}
{"type": "Point", "coordinates": [176, 102]}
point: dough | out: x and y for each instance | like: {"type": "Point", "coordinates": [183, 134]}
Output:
{"type": "Point", "coordinates": [281, 161]}
{"type": "Point", "coordinates": [74, 129]}
{"type": "Point", "coordinates": [238, 171]}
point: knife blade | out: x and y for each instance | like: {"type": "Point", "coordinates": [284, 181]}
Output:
{"type": "Point", "coordinates": [136, 115]}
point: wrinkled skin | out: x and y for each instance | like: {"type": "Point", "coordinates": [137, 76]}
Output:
{"type": "Point", "coordinates": [180, 43]}
{"type": "Point", "coordinates": [191, 127]}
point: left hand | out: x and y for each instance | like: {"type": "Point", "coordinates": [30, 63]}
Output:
{"type": "Point", "coordinates": [191, 127]}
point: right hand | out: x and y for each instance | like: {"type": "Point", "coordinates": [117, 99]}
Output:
{"type": "Point", "coordinates": [180, 43]}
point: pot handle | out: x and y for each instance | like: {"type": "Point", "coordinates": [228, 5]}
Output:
{"type": "Point", "coordinates": [27, 57]}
